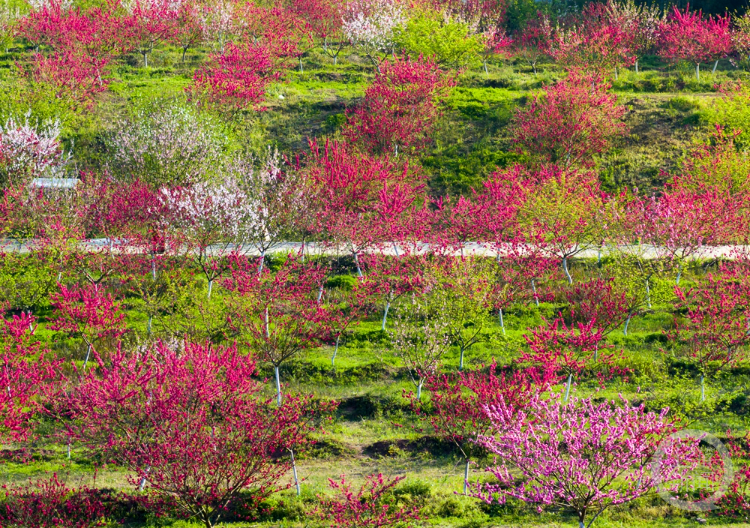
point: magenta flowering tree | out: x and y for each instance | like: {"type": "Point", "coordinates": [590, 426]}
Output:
{"type": "Point", "coordinates": [580, 455]}
{"type": "Point", "coordinates": [87, 312]}
{"type": "Point", "coordinates": [366, 507]}
{"type": "Point", "coordinates": [26, 373]}
{"type": "Point", "coordinates": [558, 349]}
{"type": "Point", "coordinates": [191, 422]}
{"type": "Point", "coordinates": [687, 35]}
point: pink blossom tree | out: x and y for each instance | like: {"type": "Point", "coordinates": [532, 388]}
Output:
{"type": "Point", "coordinates": [580, 455]}
{"type": "Point", "coordinates": [370, 25]}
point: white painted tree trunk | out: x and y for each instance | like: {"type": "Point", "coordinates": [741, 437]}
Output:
{"type": "Point", "coordinates": [278, 386]}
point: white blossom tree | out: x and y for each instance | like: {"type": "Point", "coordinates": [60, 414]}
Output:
{"type": "Point", "coordinates": [28, 151]}
{"type": "Point", "coordinates": [371, 25]}
{"type": "Point", "coordinates": [174, 145]}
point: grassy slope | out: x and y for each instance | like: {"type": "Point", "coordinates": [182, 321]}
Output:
{"type": "Point", "coordinates": [374, 430]}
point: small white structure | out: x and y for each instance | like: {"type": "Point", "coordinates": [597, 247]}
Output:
{"type": "Point", "coordinates": [55, 183]}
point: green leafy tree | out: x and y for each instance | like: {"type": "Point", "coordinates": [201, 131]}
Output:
{"type": "Point", "coordinates": [462, 289]}
{"type": "Point", "coordinates": [450, 43]}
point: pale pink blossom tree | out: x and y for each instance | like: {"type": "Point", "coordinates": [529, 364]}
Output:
{"type": "Point", "coordinates": [581, 455]}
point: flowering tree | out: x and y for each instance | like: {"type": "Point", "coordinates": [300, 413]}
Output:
{"type": "Point", "coordinates": [580, 455]}
{"type": "Point", "coordinates": [188, 30]}
{"type": "Point", "coordinates": [534, 40]}
{"type": "Point", "coordinates": [149, 22]}
{"type": "Point", "coordinates": [687, 35]}
{"type": "Point", "coordinates": [556, 349]}
{"type": "Point", "coordinates": [366, 507]}
{"type": "Point", "coordinates": [561, 210]}
{"type": "Point", "coordinates": [273, 198]}
{"type": "Point", "coordinates": [461, 290]}
{"type": "Point", "coordinates": [167, 146]}
{"type": "Point", "coordinates": [640, 22]}
{"type": "Point", "coordinates": [83, 43]}
{"type": "Point", "coordinates": [28, 151]}
{"type": "Point", "coordinates": [210, 221]}
{"type": "Point", "coordinates": [26, 374]}
{"type": "Point", "coordinates": [420, 338]}
{"type": "Point", "coordinates": [221, 23]}
{"type": "Point", "coordinates": [370, 25]}
{"type": "Point", "coordinates": [278, 314]}
{"type": "Point", "coordinates": [576, 119]}
{"type": "Point", "coordinates": [346, 306]}
{"type": "Point", "coordinates": [595, 40]}
{"type": "Point", "coordinates": [50, 502]}
{"type": "Point", "coordinates": [455, 408]}
{"type": "Point", "coordinates": [715, 326]}
{"type": "Point", "coordinates": [350, 190]}
{"type": "Point", "coordinates": [191, 423]}
{"type": "Point", "coordinates": [399, 108]}
{"type": "Point", "coordinates": [89, 313]}
{"type": "Point", "coordinates": [600, 302]}
{"type": "Point", "coordinates": [237, 77]}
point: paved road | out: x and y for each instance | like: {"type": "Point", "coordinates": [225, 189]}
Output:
{"type": "Point", "coordinates": [313, 248]}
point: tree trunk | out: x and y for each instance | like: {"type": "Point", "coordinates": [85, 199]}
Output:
{"type": "Point", "coordinates": [698, 71]}
{"type": "Point", "coordinates": [703, 388]}
{"type": "Point", "coordinates": [648, 294]}
{"type": "Point", "coordinates": [627, 322]}
{"type": "Point", "coordinates": [335, 351]}
{"type": "Point", "coordinates": [320, 293]}
{"type": "Point", "coordinates": [300, 65]}
{"type": "Point", "coordinates": [262, 260]}
{"type": "Point", "coordinates": [210, 287]}
{"type": "Point", "coordinates": [278, 386]}
{"type": "Point", "coordinates": [150, 319]}
{"type": "Point", "coordinates": [88, 353]}
{"type": "Point", "coordinates": [679, 274]}
{"type": "Point", "coordinates": [567, 273]}
{"type": "Point", "coordinates": [419, 390]}
{"type": "Point", "coordinates": [385, 314]}
{"type": "Point", "coordinates": [145, 59]}
{"type": "Point", "coordinates": [536, 297]}
{"type": "Point", "coordinates": [567, 386]}
{"type": "Point", "coordinates": [500, 317]}
{"type": "Point", "coordinates": [485, 67]}
{"type": "Point", "coordinates": [461, 360]}
{"type": "Point", "coordinates": [356, 262]}
{"type": "Point", "coordinates": [466, 477]}
{"type": "Point", "coordinates": [184, 51]}
{"type": "Point", "coordinates": [713, 72]}
{"type": "Point", "coordinates": [294, 471]}
{"type": "Point", "coordinates": [636, 67]}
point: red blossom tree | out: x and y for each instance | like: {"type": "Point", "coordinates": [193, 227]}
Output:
{"type": "Point", "coordinates": [26, 375]}
{"type": "Point", "coordinates": [574, 120]}
{"type": "Point", "coordinates": [399, 109]}
{"type": "Point", "coordinates": [597, 39]}
{"type": "Point", "coordinates": [715, 325]}
{"type": "Point", "coordinates": [191, 423]}
{"type": "Point", "coordinates": [278, 314]}
{"type": "Point", "coordinates": [366, 507]}
{"type": "Point", "coordinates": [88, 312]}
{"type": "Point", "coordinates": [455, 408]}
{"type": "Point", "coordinates": [49, 503]}
{"type": "Point", "coordinates": [556, 349]}
{"type": "Point", "coordinates": [687, 35]}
